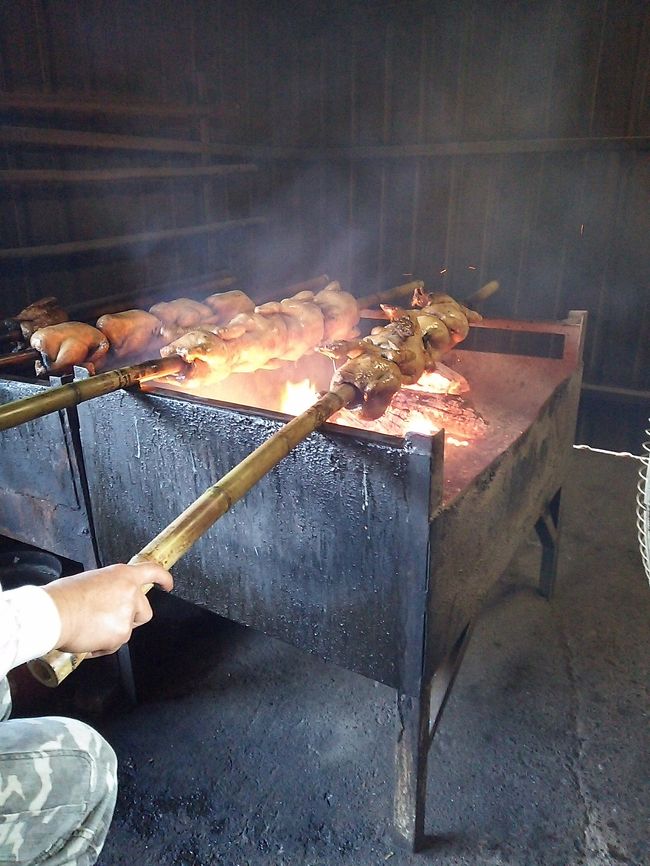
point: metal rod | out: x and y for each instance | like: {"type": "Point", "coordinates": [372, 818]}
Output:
{"type": "Point", "coordinates": [64, 396]}
{"type": "Point", "coordinates": [97, 244]}
{"type": "Point", "coordinates": [15, 359]}
{"type": "Point", "coordinates": [178, 537]}
{"type": "Point", "coordinates": [10, 330]}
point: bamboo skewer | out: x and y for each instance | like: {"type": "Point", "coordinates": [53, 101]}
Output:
{"type": "Point", "coordinates": [64, 396]}
{"type": "Point", "coordinates": [176, 539]}
{"type": "Point", "coordinates": [481, 294]}
{"type": "Point", "coordinates": [13, 359]}
{"type": "Point", "coordinates": [406, 289]}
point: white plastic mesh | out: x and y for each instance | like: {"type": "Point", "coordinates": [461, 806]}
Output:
{"type": "Point", "coordinates": [643, 506]}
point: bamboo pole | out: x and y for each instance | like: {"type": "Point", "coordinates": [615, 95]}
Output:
{"type": "Point", "coordinates": [402, 291]}
{"type": "Point", "coordinates": [64, 396]}
{"type": "Point", "coordinates": [178, 537]}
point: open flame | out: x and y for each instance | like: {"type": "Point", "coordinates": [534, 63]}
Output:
{"type": "Point", "coordinates": [414, 409]}
{"type": "Point", "coordinates": [297, 396]}
{"type": "Point", "coordinates": [431, 404]}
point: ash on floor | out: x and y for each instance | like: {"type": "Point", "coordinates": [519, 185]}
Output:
{"type": "Point", "coordinates": [245, 751]}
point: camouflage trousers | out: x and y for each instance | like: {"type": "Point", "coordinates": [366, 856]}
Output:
{"type": "Point", "coordinates": [58, 783]}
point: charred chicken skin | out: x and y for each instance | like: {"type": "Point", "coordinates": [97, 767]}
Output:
{"type": "Point", "coordinates": [40, 314]}
{"type": "Point", "coordinates": [398, 353]}
{"type": "Point", "coordinates": [68, 344]}
{"type": "Point", "coordinates": [444, 323]}
{"type": "Point", "coordinates": [375, 378]}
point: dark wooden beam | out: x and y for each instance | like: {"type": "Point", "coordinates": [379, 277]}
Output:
{"type": "Point", "coordinates": [20, 135]}
{"type": "Point", "coordinates": [108, 141]}
{"type": "Point", "coordinates": [62, 104]}
{"type": "Point", "coordinates": [113, 175]}
{"type": "Point", "coordinates": [97, 244]}
{"type": "Point", "coordinates": [478, 148]}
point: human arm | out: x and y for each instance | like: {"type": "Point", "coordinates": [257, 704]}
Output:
{"type": "Point", "coordinates": [93, 612]}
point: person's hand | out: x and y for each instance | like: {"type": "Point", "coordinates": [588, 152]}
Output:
{"type": "Point", "coordinates": [99, 609]}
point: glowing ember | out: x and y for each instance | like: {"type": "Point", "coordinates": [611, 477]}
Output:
{"type": "Point", "coordinates": [433, 403]}
{"type": "Point", "coordinates": [419, 423]}
{"type": "Point", "coordinates": [457, 443]}
{"type": "Point", "coordinates": [424, 408]}
{"type": "Point", "coordinates": [434, 383]}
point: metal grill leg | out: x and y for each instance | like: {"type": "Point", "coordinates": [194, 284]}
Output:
{"type": "Point", "coordinates": [548, 532]}
{"type": "Point", "coordinates": [419, 720]}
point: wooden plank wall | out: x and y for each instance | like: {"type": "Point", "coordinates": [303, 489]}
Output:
{"type": "Point", "coordinates": [151, 63]}
{"type": "Point", "coordinates": [459, 141]}
{"type": "Point", "coordinates": [535, 121]}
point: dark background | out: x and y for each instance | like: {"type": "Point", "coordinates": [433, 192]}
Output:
{"type": "Point", "coordinates": [488, 139]}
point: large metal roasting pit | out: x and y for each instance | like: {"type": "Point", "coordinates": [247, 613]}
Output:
{"type": "Point", "coordinates": [372, 552]}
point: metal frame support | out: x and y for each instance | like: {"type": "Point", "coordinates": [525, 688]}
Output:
{"type": "Point", "coordinates": [70, 425]}
{"type": "Point", "coordinates": [419, 721]}
{"type": "Point", "coordinates": [420, 716]}
{"type": "Point", "coordinates": [548, 532]}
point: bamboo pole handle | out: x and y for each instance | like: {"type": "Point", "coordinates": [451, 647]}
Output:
{"type": "Point", "coordinates": [52, 668]}
{"type": "Point", "coordinates": [178, 537]}
{"type": "Point", "coordinates": [63, 396]}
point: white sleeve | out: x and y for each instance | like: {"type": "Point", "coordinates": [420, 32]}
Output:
{"type": "Point", "coordinates": [29, 626]}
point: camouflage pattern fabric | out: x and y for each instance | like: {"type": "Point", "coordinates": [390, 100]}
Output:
{"type": "Point", "coordinates": [58, 783]}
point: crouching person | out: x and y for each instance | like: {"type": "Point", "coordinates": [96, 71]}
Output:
{"type": "Point", "coordinates": [58, 777]}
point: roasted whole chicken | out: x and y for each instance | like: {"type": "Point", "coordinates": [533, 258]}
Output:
{"type": "Point", "coordinates": [398, 353]}
{"type": "Point", "coordinates": [68, 344]}
{"type": "Point", "coordinates": [340, 311]}
{"type": "Point", "coordinates": [224, 306]}
{"type": "Point", "coordinates": [444, 323]}
{"type": "Point", "coordinates": [130, 332]}
{"type": "Point", "coordinates": [272, 334]}
{"type": "Point", "coordinates": [40, 314]}
{"type": "Point", "coordinates": [181, 312]}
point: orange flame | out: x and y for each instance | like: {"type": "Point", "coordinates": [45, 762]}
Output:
{"type": "Point", "coordinates": [296, 397]}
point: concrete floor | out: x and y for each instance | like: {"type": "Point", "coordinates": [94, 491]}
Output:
{"type": "Point", "coordinates": [247, 751]}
